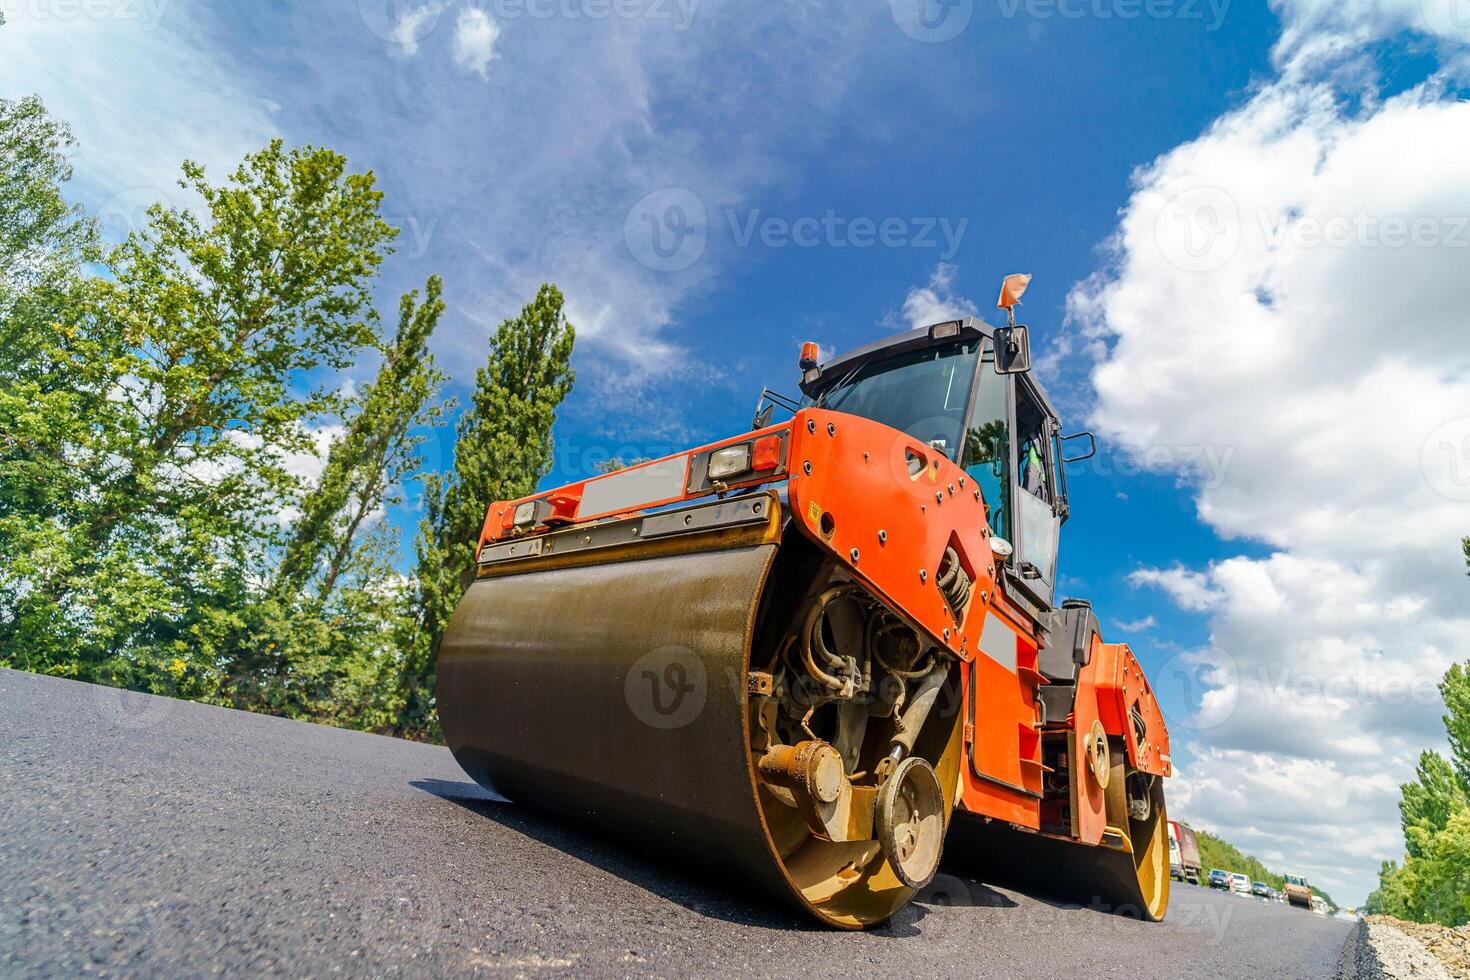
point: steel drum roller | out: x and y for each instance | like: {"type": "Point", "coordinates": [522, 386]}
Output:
{"type": "Point", "coordinates": [615, 693]}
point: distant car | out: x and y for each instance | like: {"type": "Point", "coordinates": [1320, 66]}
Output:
{"type": "Point", "coordinates": [1261, 890]}
{"type": "Point", "coordinates": [1240, 884]}
{"type": "Point", "coordinates": [1219, 878]}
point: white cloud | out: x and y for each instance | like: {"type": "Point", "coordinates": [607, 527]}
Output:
{"type": "Point", "coordinates": [475, 34]}
{"type": "Point", "coordinates": [936, 301]}
{"type": "Point", "coordinates": [1288, 290]}
{"type": "Point", "coordinates": [1190, 590]}
{"type": "Point", "coordinates": [1137, 625]}
{"type": "Point", "coordinates": [412, 26]}
{"type": "Point", "coordinates": [141, 94]}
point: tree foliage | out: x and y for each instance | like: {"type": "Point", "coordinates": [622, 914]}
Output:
{"type": "Point", "coordinates": [194, 496]}
{"type": "Point", "coordinates": [1433, 883]}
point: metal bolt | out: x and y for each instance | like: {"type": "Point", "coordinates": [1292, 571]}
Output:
{"type": "Point", "coordinates": [977, 494]}
{"type": "Point", "coordinates": [854, 554]}
{"type": "Point", "coordinates": [939, 496]}
{"type": "Point", "coordinates": [946, 634]}
{"type": "Point", "coordinates": [635, 532]}
{"type": "Point", "coordinates": [811, 425]}
{"type": "Point", "coordinates": [755, 507]}
{"type": "Point", "coordinates": [962, 483]}
{"type": "Point", "coordinates": [951, 489]}
{"type": "Point", "coordinates": [923, 575]}
{"type": "Point", "coordinates": [587, 538]}
{"type": "Point", "coordinates": [882, 536]}
{"type": "Point", "coordinates": [984, 596]}
{"type": "Point", "coordinates": [807, 467]}
{"type": "Point", "coordinates": [865, 457]}
{"type": "Point", "coordinates": [688, 519]}
{"type": "Point", "coordinates": [831, 429]}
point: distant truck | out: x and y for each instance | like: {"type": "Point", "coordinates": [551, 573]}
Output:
{"type": "Point", "coordinates": [1184, 861]}
{"type": "Point", "coordinates": [1299, 893]}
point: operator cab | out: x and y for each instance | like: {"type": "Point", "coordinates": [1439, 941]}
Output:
{"type": "Point", "coordinates": [942, 385]}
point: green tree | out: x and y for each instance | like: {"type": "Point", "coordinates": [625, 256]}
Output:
{"type": "Point", "coordinates": [192, 375]}
{"type": "Point", "coordinates": [502, 448]}
{"type": "Point", "coordinates": [44, 241]}
{"type": "Point", "coordinates": [1430, 801]}
{"type": "Point", "coordinates": [374, 456]}
{"type": "Point", "coordinates": [322, 642]}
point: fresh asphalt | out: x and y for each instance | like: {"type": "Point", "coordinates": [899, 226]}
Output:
{"type": "Point", "coordinates": [147, 836]}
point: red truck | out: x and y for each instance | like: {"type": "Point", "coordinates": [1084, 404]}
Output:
{"type": "Point", "coordinates": [1184, 862]}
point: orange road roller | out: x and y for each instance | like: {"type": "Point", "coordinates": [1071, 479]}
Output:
{"type": "Point", "coordinates": [814, 657]}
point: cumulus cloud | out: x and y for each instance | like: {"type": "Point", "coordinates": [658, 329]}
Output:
{"type": "Point", "coordinates": [1289, 289]}
{"type": "Point", "coordinates": [475, 34]}
{"type": "Point", "coordinates": [936, 301]}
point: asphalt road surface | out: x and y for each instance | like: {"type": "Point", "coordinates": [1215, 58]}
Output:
{"type": "Point", "coordinates": [141, 835]}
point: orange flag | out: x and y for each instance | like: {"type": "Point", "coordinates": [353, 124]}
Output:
{"type": "Point", "coordinates": [1011, 289]}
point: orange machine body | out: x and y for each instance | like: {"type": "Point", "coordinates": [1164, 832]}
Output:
{"type": "Point", "coordinates": [887, 506]}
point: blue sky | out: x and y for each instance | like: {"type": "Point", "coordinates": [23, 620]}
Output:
{"type": "Point", "coordinates": [525, 141]}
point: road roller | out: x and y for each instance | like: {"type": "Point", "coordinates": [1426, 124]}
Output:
{"type": "Point", "coordinates": [814, 658]}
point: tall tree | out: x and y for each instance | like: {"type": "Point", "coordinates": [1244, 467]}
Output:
{"type": "Point", "coordinates": [373, 457]}
{"type": "Point", "coordinates": [503, 446]}
{"type": "Point", "coordinates": [195, 374]}
{"type": "Point", "coordinates": [1429, 801]}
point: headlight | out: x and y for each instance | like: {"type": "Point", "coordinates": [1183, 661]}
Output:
{"type": "Point", "coordinates": [525, 514]}
{"type": "Point", "coordinates": [730, 461]}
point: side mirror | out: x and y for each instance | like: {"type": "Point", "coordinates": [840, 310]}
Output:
{"type": "Point", "coordinates": [1012, 350]}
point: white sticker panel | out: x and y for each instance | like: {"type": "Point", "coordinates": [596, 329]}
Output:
{"type": "Point", "coordinates": [634, 488]}
{"type": "Point", "coordinates": [998, 642]}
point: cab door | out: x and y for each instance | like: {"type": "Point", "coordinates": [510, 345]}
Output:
{"type": "Point", "coordinates": [1037, 492]}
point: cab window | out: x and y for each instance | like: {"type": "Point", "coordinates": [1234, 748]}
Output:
{"type": "Point", "coordinates": [987, 448]}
